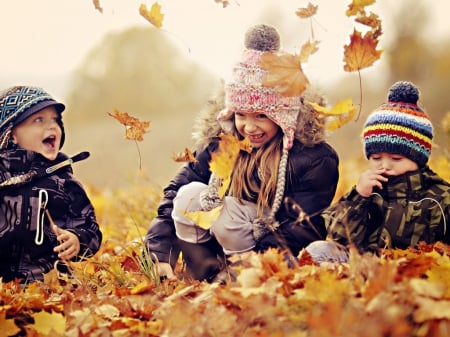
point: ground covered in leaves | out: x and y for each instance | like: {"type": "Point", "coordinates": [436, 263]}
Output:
{"type": "Point", "coordinates": [117, 293]}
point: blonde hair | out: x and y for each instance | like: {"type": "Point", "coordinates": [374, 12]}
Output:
{"type": "Point", "coordinates": [265, 161]}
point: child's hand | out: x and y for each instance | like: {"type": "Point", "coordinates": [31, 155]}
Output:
{"type": "Point", "coordinates": [370, 179]}
{"type": "Point", "coordinates": [69, 246]}
{"type": "Point", "coordinates": [165, 270]}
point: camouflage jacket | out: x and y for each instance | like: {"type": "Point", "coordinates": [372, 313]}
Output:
{"type": "Point", "coordinates": [410, 208]}
{"type": "Point", "coordinates": [26, 238]}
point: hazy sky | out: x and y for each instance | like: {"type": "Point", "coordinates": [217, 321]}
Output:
{"type": "Point", "coordinates": [44, 40]}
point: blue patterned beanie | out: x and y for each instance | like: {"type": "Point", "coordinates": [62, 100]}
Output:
{"type": "Point", "coordinates": [400, 126]}
{"type": "Point", "coordinates": [20, 102]}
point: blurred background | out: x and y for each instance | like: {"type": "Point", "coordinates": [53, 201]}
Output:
{"type": "Point", "coordinates": [98, 61]}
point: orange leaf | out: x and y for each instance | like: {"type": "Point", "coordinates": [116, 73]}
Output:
{"type": "Point", "coordinates": [135, 128]}
{"type": "Point", "coordinates": [361, 52]}
{"type": "Point", "coordinates": [154, 15]}
{"type": "Point", "coordinates": [307, 12]}
{"type": "Point", "coordinates": [97, 5]}
{"type": "Point", "coordinates": [224, 3]}
{"type": "Point", "coordinates": [285, 72]}
{"type": "Point", "coordinates": [307, 50]}
{"type": "Point", "coordinates": [187, 156]}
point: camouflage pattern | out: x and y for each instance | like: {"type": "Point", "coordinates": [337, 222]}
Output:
{"type": "Point", "coordinates": [26, 238]}
{"type": "Point", "coordinates": [410, 208]}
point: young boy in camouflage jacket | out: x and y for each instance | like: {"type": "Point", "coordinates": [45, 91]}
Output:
{"type": "Point", "coordinates": [399, 201]}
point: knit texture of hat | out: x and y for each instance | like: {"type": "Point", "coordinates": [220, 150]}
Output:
{"type": "Point", "coordinates": [20, 102]}
{"type": "Point", "coordinates": [246, 93]}
{"type": "Point", "coordinates": [399, 126]}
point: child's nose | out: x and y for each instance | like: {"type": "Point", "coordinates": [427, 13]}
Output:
{"type": "Point", "coordinates": [250, 127]}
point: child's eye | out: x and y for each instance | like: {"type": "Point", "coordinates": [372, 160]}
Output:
{"type": "Point", "coordinates": [375, 157]}
{"type": "Point", "coordinates": [38, 119]}
{"type": "Point", "coordinates": [261, 116]}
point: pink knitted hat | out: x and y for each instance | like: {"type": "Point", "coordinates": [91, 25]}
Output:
{"type": "Point", "coordinates": [246, 93]}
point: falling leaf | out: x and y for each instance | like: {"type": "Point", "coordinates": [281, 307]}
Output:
{"type": "Point", "coordinates": [307, 12]}
{"type": "Point", "coordinates": [154, 15]}
{"type": "Point", "coordinates": [134, 128]}
{"type": "Point", "coordinates": [361, 52]}
{"type": "Point", "coordinates": [187, 156]}
{"type": "Point", "coordinates": [285, 72]}
{"type": "Point", "coordinates": [224, 3]}
{"type": "Point", "coordinates": [97, 5]}
{"type": "Point", "coordinates": [358, 6]}
{"type": "Point", "coordinates": [307, 50]}
{"type": "Point", "coordinates": [340, 114]}
{"type": "Point", "coordinates": [204, 218]}
{"type": "Point", "coordinates": [373, 21]}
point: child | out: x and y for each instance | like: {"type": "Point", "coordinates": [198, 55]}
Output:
{"type": "Point", "coordinates": [290, 158]}
{"type": "Point", "coordinates": [399, 201]}
{"type": "Point", "coordinates": [45, 215]}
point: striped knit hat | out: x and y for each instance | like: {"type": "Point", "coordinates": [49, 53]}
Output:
{"type": "Point", "coordinates": [20, 102]}
{"type": "Point", "coordinates": [246, 93]}
{"type": "Point", "coordinates": [400, 126]}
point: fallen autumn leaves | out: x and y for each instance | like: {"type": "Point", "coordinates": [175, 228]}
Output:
{"type": "Point", "coordinates": [405, 293]}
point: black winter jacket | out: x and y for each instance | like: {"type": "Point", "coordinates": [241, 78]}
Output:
{"type": "Point", "coordinates": [26, 238]}
{"type": "Point", "coordinates": [311, 180]}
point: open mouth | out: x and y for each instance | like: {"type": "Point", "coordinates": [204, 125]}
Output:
{"type": "Point", "coordinates": [50, 141]}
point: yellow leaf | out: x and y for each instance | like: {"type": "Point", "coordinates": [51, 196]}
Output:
{"type": "Point", "coordinates": [154, 15]}
{"type": "Point", "coordinates": [307, 12]}
{"type": "Point", "coordinates": [285, 72]}
{"type": "Point", "coordinates": [135, 128]}
{"type": "Point", "coordinates": [204, 218]}
{"type": "Point", "coordinates": [8, 327]}
{"type": "Point", "coordinates": [45, 322]}
{"type": "Point", "coordinates": [223, 160]}
{"type": "Point", "coordinates": [361, 52]}
{"type": "Point", "coordinates": [340, 114]}
{"type": "Point", "coordinates": [358, 6]}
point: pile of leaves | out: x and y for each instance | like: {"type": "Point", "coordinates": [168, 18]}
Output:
{"type": "Point", "coordinates": [118, 293]}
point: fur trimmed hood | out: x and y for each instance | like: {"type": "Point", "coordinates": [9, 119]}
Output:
{"type": "Point", "coordinates": [310, 127]}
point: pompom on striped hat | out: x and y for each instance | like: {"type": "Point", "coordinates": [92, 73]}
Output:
{"type": "Point", "coordinates": [400, 126]}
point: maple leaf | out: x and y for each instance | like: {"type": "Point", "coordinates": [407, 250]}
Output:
{"type": "Point", "coordinates": [340, 114]}
{"type": "Point", "coordinates": [307, 50]}
{"type": "Point", "coordinates": [358, 6]}
{"type": "Point", "coordinates": [373, 21]}
{"type": "Point", "coordinates": [134, 128]}
{"type": "Point", "coordinates": [361, 52]}
{"type": "Point", "coordinates": [154, 15]}
{"type": "Point", "coordinates": [187, 156]}
{"type": "Point", "coordinates": [285, 72]}
{"type": "Point", "coordinates": [307, 12]}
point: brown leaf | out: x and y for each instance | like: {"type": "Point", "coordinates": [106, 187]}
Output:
{"type": "Point", "coordinates": [285, 72]}
{"type": "Point", "coordinates": [97, 5]}
{"type": "Point", "coordinates": [361, 52]}
{"type": "Point", "coordinates": [187, 156]}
